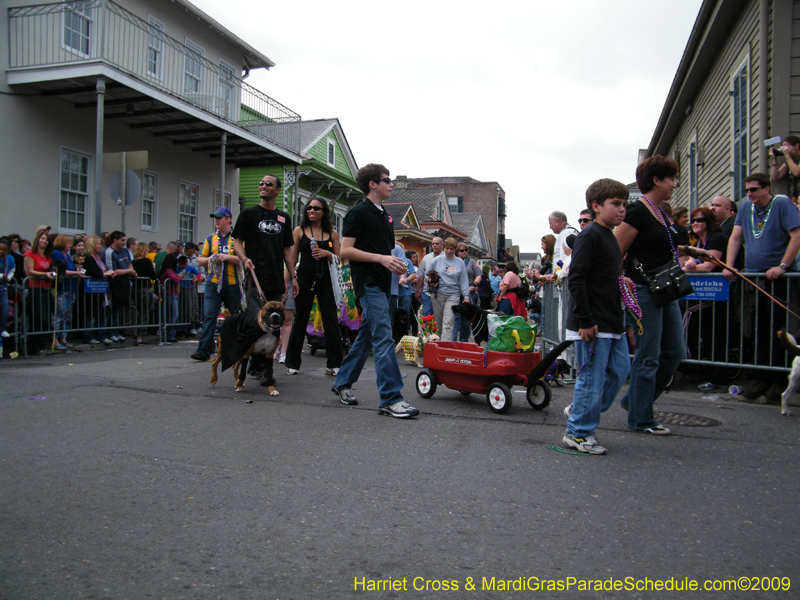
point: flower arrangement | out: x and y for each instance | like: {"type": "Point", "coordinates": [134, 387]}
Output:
{"type": "Point", "coordinates": [428, 325]}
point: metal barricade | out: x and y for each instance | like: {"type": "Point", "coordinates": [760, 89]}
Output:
{"type": "Point", "coordinates": [180, 308]}
{"type": "Point", "coordinates": [739, 332]}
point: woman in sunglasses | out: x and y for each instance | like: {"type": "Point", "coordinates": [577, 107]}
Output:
{"type": "Point", "coordinates": [707, 321]}
{"type": "Point", "coordinates": [316, 242]}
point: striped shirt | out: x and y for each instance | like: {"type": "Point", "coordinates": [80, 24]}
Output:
{"type": "Point", "coordinates": [218, 244]}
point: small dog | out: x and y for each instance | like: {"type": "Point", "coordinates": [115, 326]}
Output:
{"type": "Point", "coordinates": [245, 334]}
{"type": "Point", "coordinates": [790, 345]}
{"type": "Point", "coordinates": [413, 347]}
{"type": "Point", "coordinates": [401, 324]}
{"type": "Point", "coordinates": [477, 320]}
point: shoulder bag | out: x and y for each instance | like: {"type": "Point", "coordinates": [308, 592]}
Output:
{"type": "Point", "coordinates": [668, 282]}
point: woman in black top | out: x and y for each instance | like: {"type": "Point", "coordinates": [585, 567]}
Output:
{"type": "Point", "coordinates": [650, 235]}
{"type": "Point", "coordinates": [144, 298]}
{"type": "Point", "coordinates": [313, 278]}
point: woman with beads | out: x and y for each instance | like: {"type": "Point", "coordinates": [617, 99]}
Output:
{"type": "Point", "coordinates": [650, 235]}
{"type": "Point", "coordinates": [316, 243]}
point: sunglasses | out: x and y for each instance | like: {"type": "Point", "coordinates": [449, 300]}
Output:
{"type": "Point", "coordinates": [313, 208]}
{"type": "Point", "coordinates": [266, 183]}
{"type": "Point", "coordinates": [700, 220]}
{"type": "Point", "coordinates": [584, 220]}
{"type": "Point", "coordinates": [752, 190]}
{"type": "Point", "coordinates": [462, 250]}
{"type": "Point", "coordinates": [384, 180]}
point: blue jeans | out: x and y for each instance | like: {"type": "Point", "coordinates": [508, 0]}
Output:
{"type": "Point", "coordinates": [64, 302]}
{"type": "Point", "coordinates": [228, 294]}
{"type": "Point", "coordinates": [3, 311]}
{"type": "Point", "coordinates": [427, 305]}
{"type": "Point", "coordinates": [598, 382]}
{"type": "Point", "coordinates": [171, 314]}
{"type": "Point", "coordinates": [659, 350]}
{"type": "Point", "coordinates": [375, 334]}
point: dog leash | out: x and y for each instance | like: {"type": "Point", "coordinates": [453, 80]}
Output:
{"type": "Point", "coordinates": [258, 286]}
{"type": "Point", "coordinates": [719, 263]}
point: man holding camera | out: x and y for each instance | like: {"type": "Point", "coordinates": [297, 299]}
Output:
{"type": "Point", "coordinates": [790, 151]}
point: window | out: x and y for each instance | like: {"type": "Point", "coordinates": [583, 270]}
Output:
{"type": "Point", "coordinates": [74, 191]}
{"type": "Point", "coordinates": [439, 211]}
{"type": "Point", "coordinates": [331, 153]}
{"type": "Point", "coordinates": [77, 18]}
{"type": "Point", "coordinates": [456, 203]}
{"type": "Point", "coordinates": [149, 200]}
{"type": "Point", "coordinates": [740, 97]}
{"type": "Point", "coordinates": [155, 48]}
{"type": "Point", "coordinates": [187, 211]}
{"type": "Point", "coordinates": [216, 200]}
{"type": "Point", "coordinates": [193, 69]}
{"type": "Point", "coordinates": [227, 90]}
{"type": "Point", "coordinates": [691, 154]}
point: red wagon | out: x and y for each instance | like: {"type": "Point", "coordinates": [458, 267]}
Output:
{"type": "Point", "coordinates": [469, 368]}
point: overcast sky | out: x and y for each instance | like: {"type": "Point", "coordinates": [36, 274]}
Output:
{"type": "Point", "coordinates": [543, 98]}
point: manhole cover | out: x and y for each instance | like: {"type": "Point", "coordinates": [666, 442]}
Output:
{"type": "Point", "coordinates": [670, 418]}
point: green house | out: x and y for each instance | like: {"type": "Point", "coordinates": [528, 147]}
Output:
{"type": "Point", "coordinates": [328, 170]}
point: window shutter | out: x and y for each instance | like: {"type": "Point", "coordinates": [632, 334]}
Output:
{"type": "Point", "coordinates": [740, 133]}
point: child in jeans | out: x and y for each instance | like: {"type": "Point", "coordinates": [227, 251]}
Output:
{"type": "Point", "coordinates": [596, 319]}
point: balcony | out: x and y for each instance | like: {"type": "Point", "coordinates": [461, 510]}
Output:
{"type": "Point", "coordinates": [154, 82]}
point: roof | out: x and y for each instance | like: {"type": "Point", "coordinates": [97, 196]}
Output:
{"type": "Point", "coordinates": [423, 199]}
{"type": "Point", "coordinates": [313, 130]}
{"type": "Point", "coordinates": [442, 180]}
{"type": "Point", "coordinates": [252, 57]}
{"type": "Point", "coordinates": [466, 222]}
{"type": "Point", "coordinates": [397, 210]}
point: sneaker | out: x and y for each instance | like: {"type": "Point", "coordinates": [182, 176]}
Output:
{"type": "Point", "coordinates": [200, 357]}
{"type": "Point", "coordinates": [334, 371]}
{"type": "Point", "coordinates": [5, 335]}
{"type": "Point", "coordinates": [346, 396]}
{"type": "Point", "coordinates": [119, 339]}
{"type": "Point", "coordinates": [108, 341]}
{"type": "Point", "coordinates": [568, 411]}
{"type": "Point", "coordinates": [400, 410]}
{"type": "Point", "coordinates": [293, 371]}
{"type": "Point", "coordinates": [657, 430]}
{"type": "Point", "coordinates": [282, 359]}
{"type": "Point", "coordinates": [93, 342]}
{"type": "Point", "coordinates": [587, 445]}
{"type": "Point", "coordinates": [193, 332]}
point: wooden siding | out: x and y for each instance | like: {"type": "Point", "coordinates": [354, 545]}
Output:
{"type": "Point", "coordinates": [320, 152]}
{"type": "Point", "coordinates": [248, 186]}
{"type": "Point", "coordinates": [711, 117]}
{"type": "Point", "coordinates": [794, 108]}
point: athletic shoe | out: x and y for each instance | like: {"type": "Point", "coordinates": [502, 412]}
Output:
{"type": "Point", "coordinates": [657, 430]}
{"type": "Point", "coordinates": [334, 371]}
{"type": "Point", "coordinates": [568, 411]}
{"type": "Point", "coordinates": [346, 396]}
{"type": "Point", "coordinates": [400, 410]}
{"type": "Point", "coordinates": [108, 341]}
{"type": "Point", "coordinates": [282, 359]}
{"type": "Point", "coordinates": [200, 357]}
{"type": "Point", "coordinates": [120, 339]}
{"type": "Point", "coordinates": [93, 342]}
{"type": "Point", "coordinates": [5, 335]}
{"type": "Point", "coordinates": [113, 338]}
{"type": "Point", "coordinates": [587, 445]}
{"type": "Point", "coordinates": [294, 371]}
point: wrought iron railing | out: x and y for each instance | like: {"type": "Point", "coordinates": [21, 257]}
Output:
{"type": "Point", "coordinates": [100, 31]}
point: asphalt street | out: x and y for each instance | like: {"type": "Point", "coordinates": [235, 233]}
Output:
{"type": "Point", "coordinates": [126, 475]}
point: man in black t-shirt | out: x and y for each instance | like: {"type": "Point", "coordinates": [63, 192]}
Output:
{"type": "Point", "coordinates": [263, 242]}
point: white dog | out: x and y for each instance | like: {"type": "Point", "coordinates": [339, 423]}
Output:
{"type": "Point", "coordinates": [790, 344]}
{"type": "Point", "coordinates": [413, 347]}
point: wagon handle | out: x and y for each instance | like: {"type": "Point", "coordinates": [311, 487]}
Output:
{"type": "Point", "coordinates": [544, 364]}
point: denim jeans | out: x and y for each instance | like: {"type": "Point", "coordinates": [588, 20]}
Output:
{"type": "Point", "coordinates": [660, 348]}
{"type": "Point", "coordinates": [427, 305]}
{"type": "Point", "coordinates": [171, 315]}
{"type": "Point", "coordinates": [607, 365]}
{"type": "Point", "coordinates": [64, 304]}
{"type": "Point", "coordinates": [228, 294]}
{"type": "Point", "coordinates": [375, 334]}
{"type": "Point", "coordinates": [3, 310]}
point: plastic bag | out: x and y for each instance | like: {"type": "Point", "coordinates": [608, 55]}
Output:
{"type": "Point", "coordinates": [511, 334]}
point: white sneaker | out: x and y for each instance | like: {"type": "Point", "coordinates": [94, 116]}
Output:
{"type": "Point", "coordinates": [587, 445]}
{"type": "Point", "coordinates": [5, 335]}
{"type": "Point", "coordinates": [120, 339]}
{"type": "Point", "coordinates": [293, 371]}
{"type": "Point", "coordinates": [399, 410]}
{"type": "Point", "coordinates": [334, 371]}
{"type": "Point", "coordinates": [282, 359]}
{"type": "Point", "coordinates": [108, 341]}
{"type": "Point", "coordinates": [568, 411]}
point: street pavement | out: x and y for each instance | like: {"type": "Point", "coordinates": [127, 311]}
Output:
{"type": "Point", "coordinates": [126, 475]}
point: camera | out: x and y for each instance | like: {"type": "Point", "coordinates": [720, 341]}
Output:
{"type": "Point", "coordinates": [776, 151]}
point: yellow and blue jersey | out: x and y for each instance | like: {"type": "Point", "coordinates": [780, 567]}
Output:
{"type": "Point", "coordinates": [217, 244]}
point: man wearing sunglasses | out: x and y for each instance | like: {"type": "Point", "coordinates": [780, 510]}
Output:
{"type": "Point", "coordinates": [584, 219]}
{"type": "Point", "coordinates": [263, 242]}
{"type": "Point", "coordinates": [367, 242]}
{"type": "Point", "coordinates": [769, 227]}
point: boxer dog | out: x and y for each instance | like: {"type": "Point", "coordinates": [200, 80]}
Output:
{"type": "Point", "coordinates": [245, 334]}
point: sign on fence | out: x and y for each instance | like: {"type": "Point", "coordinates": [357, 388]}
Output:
{"type": "Point", "coordinates": [96, 286]}
{"type": "Point", "coordinates": [710, 288]}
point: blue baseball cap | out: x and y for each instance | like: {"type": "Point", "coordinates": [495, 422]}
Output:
{"type": "Point", "coordinates": [222, 212]}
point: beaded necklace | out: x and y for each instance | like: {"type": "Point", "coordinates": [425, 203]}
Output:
{"type": "Point", "coordinates": [664, 218]}
{"type": "Point", "coordinates": [758, 230]}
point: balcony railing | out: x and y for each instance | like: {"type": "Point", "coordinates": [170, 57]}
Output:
{"type": "Point", "coordinates": [92, 31]}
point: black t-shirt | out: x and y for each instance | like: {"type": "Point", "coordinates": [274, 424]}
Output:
{"type": "Point", "coordinates": [374, 232]}
{"type": "Point", "coordinates": [652, 244]}
{"type": "Point", "coordinates": [265, 233]}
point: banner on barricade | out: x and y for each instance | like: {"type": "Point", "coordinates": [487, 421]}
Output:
{"type": "Point", "coordinates": [717, 289]}
{"type": "Point", "coordinates": [96, 286]}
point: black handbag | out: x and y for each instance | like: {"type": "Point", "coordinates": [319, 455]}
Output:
{"type": "Point", "coordinates": [668, 282]}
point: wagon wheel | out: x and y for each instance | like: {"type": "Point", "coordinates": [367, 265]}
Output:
{"type": "Point", "coordinates": [499, 398]}
{"type": "Point", "coordinates": [426, 383]}
{"type": "Point", "coordinates": [539, 398]}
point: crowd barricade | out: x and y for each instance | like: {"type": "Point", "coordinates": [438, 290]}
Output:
{"type": "Point", "coordinates": [723, 321]}
{"type": "Point", "coordinates": [181, 312]}
{"type": "Point", "coordinates": [95, 309]}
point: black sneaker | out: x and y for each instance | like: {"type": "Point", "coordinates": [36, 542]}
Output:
{"type": "Point", "coordinates": [346, 396]}
{"type": "Point", "coordinates": [399, 410]}
{"type": "Point", "coordinates": [200, 357]}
